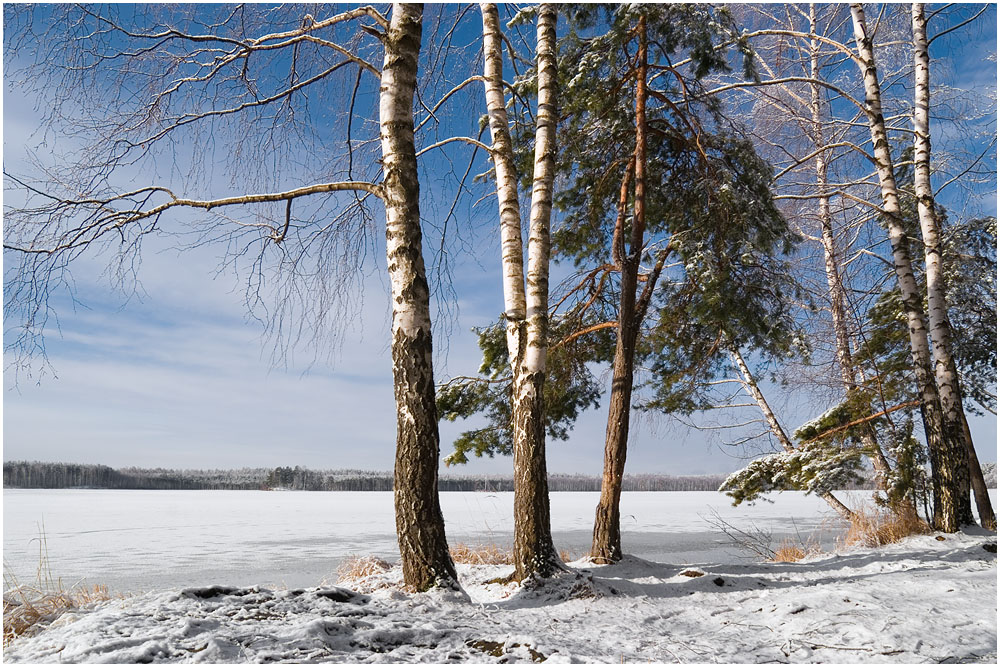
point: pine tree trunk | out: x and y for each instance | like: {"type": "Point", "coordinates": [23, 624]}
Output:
{"type": "Point", "coordinates": [838, 308]}
{"type": "Point", "coordinates": [945, 372]}
{"type": "Point", "coordinates": [606, 546]}
{"type": "Point", "coordinates": [949, 459]}
{"type": "Point", "coordinates": [526, 315]}
{"type": "Point", "coordinates": [423, 548]}
{"type": "Point", "coordinates": [750, 384]}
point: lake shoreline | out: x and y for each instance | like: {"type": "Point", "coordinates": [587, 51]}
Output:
{"type": "Point", "coordinates": [134, 541]}
{"type": "Point", "coordinates": [927, 599]}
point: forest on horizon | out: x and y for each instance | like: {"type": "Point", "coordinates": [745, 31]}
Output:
{"type": "Point", "coordinates": [38, 475]}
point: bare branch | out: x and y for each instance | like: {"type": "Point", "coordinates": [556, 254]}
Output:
{"type": "Point", "coordinates": [467, 140]}
{"type": "Point", "coordinates": [103, 218]}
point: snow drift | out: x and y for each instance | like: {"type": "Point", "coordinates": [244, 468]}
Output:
{"type": "Point", "coordinates": [927, 599]}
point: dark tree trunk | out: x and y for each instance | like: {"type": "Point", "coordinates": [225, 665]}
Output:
{"type": "Point", "coordinates": [423, 548]}
{"type": "Point", "coordinates": [987, 517]}
{"type": "Point", "coordinates": [607, 540]}
{"type": "Point", "coordinates": [534, 553]}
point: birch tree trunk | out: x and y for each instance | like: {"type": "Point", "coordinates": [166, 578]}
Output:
{"type": "Point", "coordinates": [423, 548]}
{"type": "Point", "coordinates": [750, 384]}
{"type": "Point", "coordinates": [949, 460]}
{"type": "Point", "coordinates": [945, 372]}
{"type": "Point", "coordinates": [838, 309]}
{"type": "Point", "coordinates": [526, 315]}
{"type": "Point", "coordinates": [606, 546]}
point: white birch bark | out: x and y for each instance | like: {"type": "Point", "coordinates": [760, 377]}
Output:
{"type": "Point", "coordinates": [950, 510]}
{"type": "Point", "coordinates": [834, 283]}
{"type": "Point", "coordinates": [838, 308]}
{"type": "Point", "coordinates": [945, 371]}
{"type": "Point", "coordinates": [506, 180]}
{"type": "Point", "coordinates": [539, 245]}
{"type": "Point", "coordinates": [419, 523]}
{"type": "Point", "coordinates": [526, 314]}
{"type": "Point", "coordinates": [937, 306]}
{"type": "Point", "coordinates": [750, 384]}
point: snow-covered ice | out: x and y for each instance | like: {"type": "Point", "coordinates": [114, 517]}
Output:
{"type": "Point", "coordinates": [927, 599]}
{"type": "Point", "coordinates": [145, 540]}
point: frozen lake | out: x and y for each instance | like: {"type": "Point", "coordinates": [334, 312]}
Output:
{"type": "Point", "coordinates": [145, 540]}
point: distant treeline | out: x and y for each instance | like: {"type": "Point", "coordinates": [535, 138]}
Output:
{"type": "Point", "coordinates": [37, 475]}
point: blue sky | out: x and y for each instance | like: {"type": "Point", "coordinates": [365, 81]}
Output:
{"type": "Point", "coordinates": [179, 376]}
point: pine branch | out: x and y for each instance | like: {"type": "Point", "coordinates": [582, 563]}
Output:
{"type": "Point", "coordinates": [826, 434]}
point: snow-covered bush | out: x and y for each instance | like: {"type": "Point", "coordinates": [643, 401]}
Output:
{"type": "Point", "coordinates": [815, 467]}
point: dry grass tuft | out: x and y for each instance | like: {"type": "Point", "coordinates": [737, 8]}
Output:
{"type": "Point", "coordinates": [360, 572]}
{"type": "Point", "coordinates": [360, 567]}
{"type": "Point", "coordinates": [792, 552]}
{"type": "Point", "coordinates": [491, 554]}
{"type": "Point", "coordinates": [874, 528]}
{"type": "Point", "coordinates": [483, 554]}
{"type": "Point", "coordinates": [28, 608]}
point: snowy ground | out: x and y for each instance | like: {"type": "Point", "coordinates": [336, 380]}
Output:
{"type": "Point", "coordinates": [928, 599]}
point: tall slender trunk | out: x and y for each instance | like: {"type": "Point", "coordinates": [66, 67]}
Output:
{"type": "Point", "coordinates": [750, 384]}
{"type": "Point", "coordinates": [606, 546]}
{"type": "Point", "coordinates": [987, 518]}
{"type": "Point", "coordinates": [526, 315]}
{"type": "Point", "coordinates": [534, 552]}
{"type": "Point", "coordinates": [423, 548]}
{"type": "Point", "coordinates": [945, 372]}
{"type": "Point", "coordinates": [949, 460]}
{"type": "Point", "coordinates": [838, 308]}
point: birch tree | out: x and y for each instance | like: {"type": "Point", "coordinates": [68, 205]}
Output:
{"type": "Point", "coordinates": [526, 310]}
{"type": "Point", "coordinates": [949, 459]}
{"type": "Point", "coordinates": [945, 371]}
{"type": "Point", "coordinates": [783, 91]}
{"type": "Point", "coordinates": [794, 127]}
{"type": "Point", "coordinates": [234, 65]}
{"type": "Point", "coordinates": [793, 469]}
{"type": "Point", "coordinates": [837, 293]}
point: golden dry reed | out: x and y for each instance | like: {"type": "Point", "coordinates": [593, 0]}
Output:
{"type": "Point", "coordinates": [880, 526]}
{"type": "Point", "coordinates": [27, 608]}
